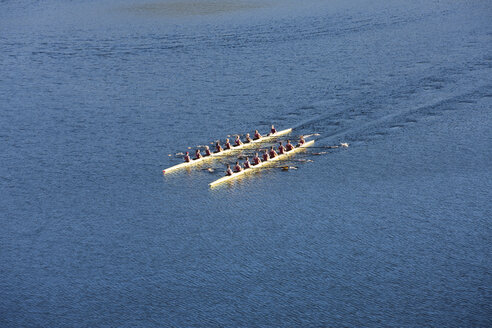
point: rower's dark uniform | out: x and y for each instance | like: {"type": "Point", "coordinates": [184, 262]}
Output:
{"type": "Point", "coordinates": [281, 149]}
{"type": "Point", "coordinates": [257, 135]}
{"type": "Point", "coordinates": [227, 144]}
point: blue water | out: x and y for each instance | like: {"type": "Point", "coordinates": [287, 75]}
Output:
{"type": "Point", "coordinates": [393, 231]}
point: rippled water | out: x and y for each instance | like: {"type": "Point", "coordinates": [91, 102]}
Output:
{"type": "Point", "coordinates": [392, 231]}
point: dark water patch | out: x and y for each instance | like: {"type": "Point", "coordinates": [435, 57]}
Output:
{"type": "Point", "coordinates": [430, 114]}
{"type": "Point", "coordinates": [432, 83]}
{"type": "Point", "coordinates": [466, 101]}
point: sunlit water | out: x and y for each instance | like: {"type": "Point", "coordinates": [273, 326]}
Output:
{"type": "Point", "coordinates": [393, 231]}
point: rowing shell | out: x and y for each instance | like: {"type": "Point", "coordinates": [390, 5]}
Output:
{"type": "Point", "coordinates": [227, 151]}
{"type": "Point", "coordinates": [254, 167]}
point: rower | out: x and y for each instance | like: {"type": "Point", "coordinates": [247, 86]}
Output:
{"type": "Point", "coordinates": [257, 135]}
{"type": "Point", "coordinates": [281, 148]}
{"type": "Point", "coordinates": [237, 167]}
{"type": "Point", "coordinates": [272, 152]}
{"type": "Point", "coordinates": [256, 159]}
{"type": "Point", "coordinates": [228, 171]}
{"type": "Point", "coordinates": [227, 144]}
{"type": "Point", "coordinates": [238, 141]}
{"type": "Point", "coordinates": [187, 157]}
{"type": "Point", "coordinates": [218, 147]}
{"type": "Point", "coordinates": [302, 141]}
{"type": "Point", "coordinates": [247, 138]}
{"type": "Point", "coordinates": [197, 154]}
{"type": "Point", "coordinates": [247, 164]}
{"type": "Point", "coordinates": [273, 130]}
{"type": "Point", "coordinates": [207, 151]}
{"type": "Point", "coordinates": [265, 156]}
{"type": "Point", "coordinates": [288, 146]}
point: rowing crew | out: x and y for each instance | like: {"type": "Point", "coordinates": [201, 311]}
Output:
{"type": "Point", "coordinates": [227, 145]}
{"type": "Point", "coordinates": [267, 154]}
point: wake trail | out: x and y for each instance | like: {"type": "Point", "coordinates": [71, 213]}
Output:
{"type": "Point", "coordinates": [357, 126]}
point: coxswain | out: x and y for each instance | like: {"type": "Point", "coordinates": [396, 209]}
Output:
{"type": "Point", "coordinates": [247, 139]}
{"type": "Point", "coordinates": [256, 159]}
{"type": "Point", "coordinates": [288, 146]}
{"type": "Point", "coordinates": [238, 141]}
{"type": "Point", "coordinates": [207, 151]}
{"type": "Point", "coordinates": [237, 167]}
{"type": "Point", "coordinates": [228, 171]}
{"type": "Point", "coordinates": [265, 156]}
{"type": "Point", "coordinates": [218, 147]}
{"type": "Point", "coordinates": [281, 148]}
{"type": "Point", "coordinates": [272, 152]}
{"type": "Point", "coordinates": [187, 157]}
{"type": "Point", "coordinates": [257, 135]}
{"type": "Point", "coordinates": [197, 154]}
{"type": "Point", "coordinates": [302, 141]}
{"type": "Point", "coordinates": [247, 164]}
{"type": "Point", "coordinates": [227, 144]}
{"type": "Point", "coordinates": [273, 130]}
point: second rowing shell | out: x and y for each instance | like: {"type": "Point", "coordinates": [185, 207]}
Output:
{"type": "Point", "coordinates": [254, 167]}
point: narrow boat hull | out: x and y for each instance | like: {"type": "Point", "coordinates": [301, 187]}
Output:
{"type": "Point", "coordinates": [255, 167]}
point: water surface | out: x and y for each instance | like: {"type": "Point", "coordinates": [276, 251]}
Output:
{"type": "Point", "coordinates": [392, 231]}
